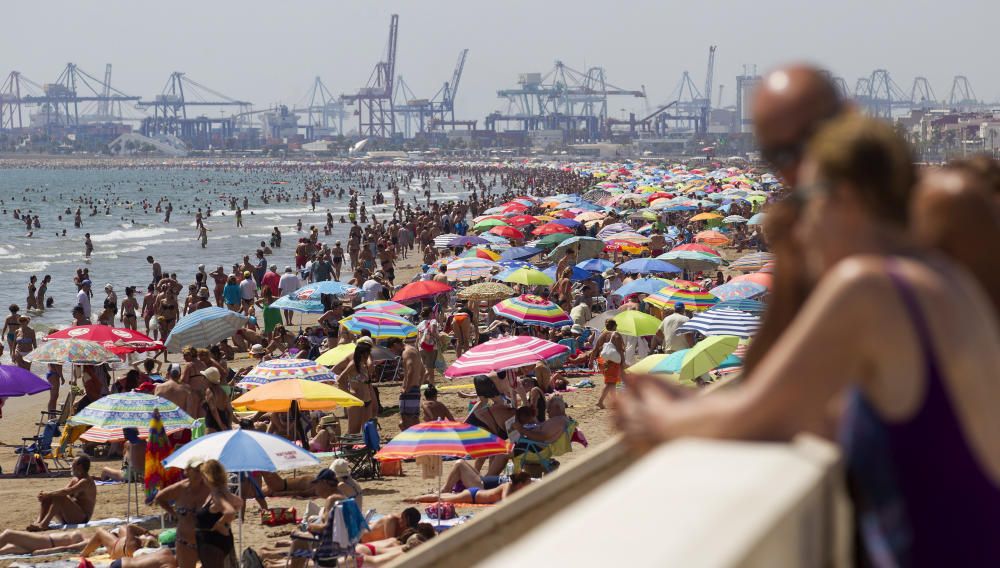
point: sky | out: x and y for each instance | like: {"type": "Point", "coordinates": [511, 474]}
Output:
{"type": "Point", "coordinates": [270, 52]}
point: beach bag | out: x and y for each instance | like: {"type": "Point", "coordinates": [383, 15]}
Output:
{"type": "Point", "coordinates": [442, 511]}
{"type": "Point", "coordinates": [427, 340]}
{"type": "Point", "coordinates": [392, 468]}
{"type": "Point", "coordinates": [28, 463]}
{"type": "Point", "coordinates": [250, 559]}
{"type": "Point", "coordinates": [610, 353]}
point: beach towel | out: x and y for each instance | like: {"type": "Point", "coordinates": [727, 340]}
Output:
{"type": "Point", "coordinates": [110, 521]}
{"type": "Point", "coordinates": [108, 482]}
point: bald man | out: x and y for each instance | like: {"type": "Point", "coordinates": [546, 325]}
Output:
{"type": "Point", "coordinates": [788, 106]}
{"type": "Point", "coordinates": [956, 210]}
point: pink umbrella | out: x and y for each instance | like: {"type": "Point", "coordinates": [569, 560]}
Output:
{"type": "Point", "coordinates": [504, 353]}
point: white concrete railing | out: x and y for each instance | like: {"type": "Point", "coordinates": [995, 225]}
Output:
{"type": "Point", "coordinates": [691, 503]}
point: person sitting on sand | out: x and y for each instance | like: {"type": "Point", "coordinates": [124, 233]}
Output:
{"type": "Point", "coordinates": [432, 408]}
{"type": "Point", "coordinates": [476, 495]}
{"type": "Point", "coordinates": [549, 430]}
{"type": "Point", "coordinates": [24, 542]}
{"type": "Point", "coordinates": [325, 438]}
{"type": "Point", "coordinates": [72, 504]}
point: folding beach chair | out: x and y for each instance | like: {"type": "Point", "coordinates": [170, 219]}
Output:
{"type": "Point", "coordinates": [543, 453]}
{"type": "Point", "coordinates": [328, 551]}
{"type": "Point", "coordinates": [40, 445]}
{"type": "Point", "coordinates": [362, 457]}
{"type": "Point", "coordinates": [388, 371]}
{"type": "Point", "coordinates": [60, 416]}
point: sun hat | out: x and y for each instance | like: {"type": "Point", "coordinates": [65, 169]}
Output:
{"type": "Point", "coordinates": [211, 374]}
{"type": "Point", "coordinates": [341, 467]}
{"type": "Point", "coordinates": [257, 349]}
{"type": "Point", "coordinates": [328, 420]}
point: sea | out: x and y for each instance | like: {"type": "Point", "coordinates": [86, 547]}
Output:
{"type": "Point", "coordinates": [124, 233]}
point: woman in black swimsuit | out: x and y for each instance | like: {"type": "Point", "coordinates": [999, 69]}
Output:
{"type": "Point", "coordinates": [213, 519]}
{"type": "Point", "coordinates": [130, 318]}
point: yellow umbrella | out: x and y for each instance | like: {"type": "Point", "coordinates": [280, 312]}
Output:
{"type": "Point", "coordinates": [336, 356]}
{"type": "Point", "coordinates": [310, 395]}
{"type": "Point", "coordinates": [643, 367]}
{"type": "Point", "coordinates": [636, 323]}
{"type": "Point", "coordinates": [706, 217]}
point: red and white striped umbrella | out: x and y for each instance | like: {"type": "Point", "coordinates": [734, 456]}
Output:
{"type": "Point", "coordinates": [504, 353]}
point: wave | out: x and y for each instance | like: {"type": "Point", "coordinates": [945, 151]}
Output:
{"type": "Point", "coordinates": [131, 234]}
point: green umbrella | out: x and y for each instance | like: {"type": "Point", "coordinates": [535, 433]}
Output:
{"type": "Point", "coordinates": [553, 239]}
{"type": "Point", "coordinates": [708, 354]}
{"type": "Point", "coordinates": [486, 224]}
{"type": "Point", "coordinates": [636, 323]}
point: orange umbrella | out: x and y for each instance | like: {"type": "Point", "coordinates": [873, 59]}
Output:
{"type": "Point", "coordinates": [714, 238]}
{"type": "Point", "coordinates": [762, 278]}
{"type": "Point", "coordinates": [706, 217]}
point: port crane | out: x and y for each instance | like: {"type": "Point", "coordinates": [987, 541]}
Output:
{"type": "Point", "coordinates": [324, 112]}
{"type": "Point", "coordinates": [438, 112]}
{"type": "Point", "coordinates": [375, 111]}
{"type": "Point", "coordinates": [170, 112]}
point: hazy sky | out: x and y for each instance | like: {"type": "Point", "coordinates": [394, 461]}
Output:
{"type": "Point", "coordinates": [269, 52]}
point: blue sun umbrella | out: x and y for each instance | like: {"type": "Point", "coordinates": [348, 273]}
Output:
{"type": "Point", "coordinates": [519, 253]}
{"type": "Point", "coordinates": [204, 328]}
{"type": "Point", "coordinates": [293, 304]}
{"type": "Point", "coordinates": [595, 265]}
{"type": "Point", "coordinates": [743, 305]}
{"type": "Point", "coordinates": [641, 286]}
{"type": "Point", "coordinates": [578, 274]}
{"type": "Point", "coordinates": [648, 266]}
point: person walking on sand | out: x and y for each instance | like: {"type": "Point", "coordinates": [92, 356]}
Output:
{"type": "Point", "coordinates": [610, 354]}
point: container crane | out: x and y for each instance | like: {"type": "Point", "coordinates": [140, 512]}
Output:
{"type": "Point", "coordinates": [170, 112]}
{"type": "Point", "coordinates": [375, 111]}
{"type": "Point", "coordinates": [324, 112]}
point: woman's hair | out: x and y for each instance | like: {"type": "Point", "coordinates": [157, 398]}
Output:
{"type": "Point", "coordinates": [868, 155]}
{"type": "Point", "coordinates": [361, 353]}
{"type": "Point", "coordinates": [485, 387]}
{"type": "Point", "coordinates": [215, 474]}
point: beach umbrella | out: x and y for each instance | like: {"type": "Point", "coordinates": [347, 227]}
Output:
{"type": "Point", "coordinates": [696, 300]}
{"type": "Point", "coordinates": [552, 229]}
{"type": "Point", "coordinates": [335, 356]}
{"type": "Point", "coordinates": [386, 306]}
{"type": "Point", "coordinates": [307, 395]}
{"type": "Point", "coordinates": [130, 410]}
{"type": "Point", "coordinates": [495, 239]}
{"type": "Point", "coordinates": [752, 262]}
{"type": "Point", "coordinates": [647, 266]}
{"type": "Point", "coordinates": [481, 253]}
{"type": "Point", "coordinates": [521, 220]}
{"type": "Point", "coordinates": [711, 238]}
{"type": "Point", "coordinates": [380, 324]}
{"type": "Point", "coordinates": [486, 224]}
{"type": "Point", "coordinates": [316, 290]}
{"type": "Point", "coordinates": [158, 447]}
{"type": "Point", "coordinates": [736, 290]}
{"type": "Point", "coordinates": [462, 240]}
{"type": "Point", "coordinates": [15, 381]}
{"type": "Point", "coordinates": [243, 451]}
{"type": "Point", "coordinates": [465, 269]}
{"type": "Point", "coordinates": [529, 309]}
{"type": "Point", "coordinates": [641, 286]}
{"type": "Point", "coordinates": [204, 328]}
{"type": "Point", "coordinates": [420, 290]}
{"type": "Point", "coordinates": [763, 278]}
{"type": "Point", "coordinates": [722, 321]}
{"type": "Point", "coordinates": [528, 277]}
{"type": "Point", "coordinates": [486, 291]}
{"type": "Point", "coordinates": [636, 323]}
{"type": "Point", "coordinates": [74, 351]}
{"type": "Point", "coordinates": [706, 355]}
{"type": "Point", "coordinates": [692, 260]}
{"type": "Point", "coordinates": [757, 219]}
{"type": "Point", "coordinates": [734, 219]}
{"type": "Point", "coordinates": [282, 369]}
{"type": "Point", "coordinates": [696, 247]}
{"type": "Point", "coordinates": [520, 253]}
{"type": "Point", "coordinates": [442, 438]}
{"type": "Point", "coordinates": [576, 274]}
{"type": "Point", "coordinates": [115, 339]}
{"type": "Point", "coordinates": [553, 239]}
{"type": "Point", "coordinates": [507, 232]}
{"type": "Point", "coordinates": [744, 305]}
{"type": "Point", "coordinates": [293, 304]}
{"type": "Point", "coordinates": [442, 241]}
{"type": "Point", "coordinates": [705, 217]}
{"type": "Point", "coordinates": [100, 435]}
{"type": "Point", "coordinates": [584, 247]}
{"type": "Point", "coordinates": [646, 365]}
{"type": "Point", "coordinates": [589, 216]}
{"type": "Point", "coordinates": [595, 265]}
{"type": "Point", "coordinates": [613, 229]}
{"type": "Point", "coordinates": [504, 353]}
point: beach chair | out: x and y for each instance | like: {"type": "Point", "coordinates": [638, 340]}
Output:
{"type": "Point", "coordinates": [362, 456]}
{"type": "Point", "coordinates": [388, 371]}
{"type": "Point", "coordinates": [543, 453]}
{"type": "Point", "coordinates": [328, 550]}
{"type": "Point", "coordinates": [60, 416]}
{"type": "Point", "coordinates": [40, 445]}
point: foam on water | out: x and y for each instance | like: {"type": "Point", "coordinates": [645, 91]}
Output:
{"type": "Point", "coordinates": [127, 234]}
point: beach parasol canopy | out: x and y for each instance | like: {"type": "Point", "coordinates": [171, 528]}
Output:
{"type": "Point", "coordinates": [714, 238]}
{"type": "Point", "coordinates": [489, 223]}
{"type": "Point", "coordinates": [636, 323]}
{"type": "Point", "coordinates": [641, 286]}
{"type": "Point", "coordinates": [706, 355]}
{"type": "Point", "coordinates": [486, 291]}
{"type": "Point", "coordinates": [308, 395]}
{"type": "Point", "coordinates": [282, 369]}
{"type": "Point", "coordinates": [386, 306]}
{"type": "Point", "coordinates": [648, 266]}
{"type": "Point", "coordinates": [115, 339]}
{"type": "Point", "coordinates": [316, 290]}
{"type": "Point", "coordinates": [110, 435]}
{"type": "Point", "coordinates": [576, 274]}
{"type": "Point", "coordinates": [521, 220]}
{"type": "Point", "coordinates": [507, 232]}
{"type": "Point", "coordinates": [131, 410]}
{"type": "Point", "coordinates": [442, 241]}
{"type": "Point", "coordinates": [757, 219]}
{"type": "Point", "coordinates": [584, 247]}
{"type": "Point", "coordinates": [204, 328]}
{"type": "Point", "coordinates": [419, 290]}
{"type": "Point", "coordinates": [381, 325]}
{"type": "Point", "coordinates": [504, 353]}
{"type": "Point", "coordinates": [722, 321]}
{"type": "Point", "coordinates": [528, 277]}
{"type": "Point", "coordinates": [738, 290]}
{"type": "Point", "coordinates": [646, 365]}
{"type": "Point", "coordinates": [696, 247]}
{"type": "Point", "coordinates": [442, 438]}
{"type": "Point", "coordinates": [335, 356]}
{"type": "Point", "coordinates": [520, 253]}
{"type": "Point", "coordinates": [462, 240]}
{"type": "Point", "coordinates": [552, 228]}
{"type": "Point", "coordinates": [763, 278]}
{"type": "Point", "coordinates": [74, 351]}
{"type": "Point", "coordinates": [595, 265]}
{"type": "Point", "coordinates": [243, 450]}
{"type": "Point", "coordinates": [752, 262]}
{"type": "Point", "coordinates": [705, 217]}
{"type": "Point", "coordinates": [465, 269]}
{"type": "Point", "coordinates": [751, 306]}
{"type": "Point", "coordinates": [15, 381]}
{"type": "Point", "coordinates": [692, 260]}
{"type": "Point", "coordinates": [529, 309]}
{"type": "Point", "coordinates": [695, 300]}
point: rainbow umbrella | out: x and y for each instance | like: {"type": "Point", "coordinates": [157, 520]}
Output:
{"type": "Point", "coordinates": [442, 438]}
{"type": "Point", "coordinates": [529, 309]}
{"type": "Point", "coordinates": [504, 353]}
{"type": "Point", "coordinates": [282, 369]}
{"type": "Point", "coordinates": [696, 300]}
{"type": "Point", "coordinates": [752, 262]}
{"type": "Point", "coordinates": [308, 395]}
{"type": "Point", "coordinates": [75, 351]}
{"type": "Point", "coordinates": [420, 290]}
{"type": "Point", "coordinates": [158, 447]}
{"type": "Point", "coordinates": [387, 307]}
{"type": "Point", "coordinates": [381, 325]}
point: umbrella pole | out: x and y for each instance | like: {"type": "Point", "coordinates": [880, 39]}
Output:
{"type": "Point", "coordinates": [239, 492]}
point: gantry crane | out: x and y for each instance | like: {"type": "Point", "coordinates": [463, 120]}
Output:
{"type": "Point", "coordinates": [324, 112]}
{"type": "Point", "coordinates": [170, 112]}
{"type": "Point", "coordinates": [423, 115]}
{"type": "Point", "coordinates": [376, 115]}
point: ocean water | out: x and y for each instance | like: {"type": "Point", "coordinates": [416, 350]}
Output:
{"type": "Point", "coordinates": [124, 233]}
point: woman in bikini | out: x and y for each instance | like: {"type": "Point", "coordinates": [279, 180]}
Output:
{"type": "Point", "coordinates": [477, 496]}
{"type": "Point", "coordinates": [358, 377]}
{"type": "Point", "coordinates": [10, 326]}
{"type": "Point", "coordinates": [43, 288]}
{"type": "Point", "coordinates": [214, 517]}
{"type": "Point", "coordinates": [25, 342]}
{"type": "Point", "coordinates": [149, 306]}
{"type": "Point", "coordinates": [32, 300]}
{"type": "Point", "coordinates": [130, 305]}
{"type": "Point", "coordinates": [180, 501]}
{"type": "Point", "coordinates": [166, 308]}
{"type": "Point", "coordinates": [24, 542]}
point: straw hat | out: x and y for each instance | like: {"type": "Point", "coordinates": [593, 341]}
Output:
{"type": "Point", "coordinates": [328, 420]}
{"type": "Point", "coordinates": [211, 374]}
{"type": "Point", "coordinates": [341, 467]}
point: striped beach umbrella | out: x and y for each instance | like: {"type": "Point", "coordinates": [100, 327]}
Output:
{"type": "Point", "coordinates": [696, 300]}
{"type": "Point", "coordinates": [743, 305]}
{"type": "Point", "coordinates": [442, 438]}
{"type": "Point", "coordinates": [71, 351]}
{"type": "Point", "coordinates": [204, 328]}
{"type": "Point", "coordinates": [714, 238]}
{"type": "Point", "coordinates": [111, 435]}
{"type": "Point", "coordinates": [752, 262]}
{"type": "Point", "coordinates": [737, 290]}
{"type": "Point", "coordinates": [282, 369]}
{"type": "Point", "coordinates": [131, 410]}
{"type": "Point", "coordinates": [465, 269]}
{"type": "Point", "coordinates": [529, 309]}
{"type": "Point", "coordinates": [387, 307]}
{"type": "Point", "coordinates": [243, 450]}
{"type": "Point", "coordinates": [722, 322]}
{"type": "Point", "coordinates": [504, 353]}
{"type": "Point", "coordinates": [380, 324]}
{"type": "Point", "coordinates": [442, 241]}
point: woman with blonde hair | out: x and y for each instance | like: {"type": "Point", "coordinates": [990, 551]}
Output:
{"type": "Point", "coordinates": [214, 518]}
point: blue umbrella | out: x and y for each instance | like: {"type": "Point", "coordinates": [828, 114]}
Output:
{"type": "Point", "coordinates": [672, 363]}
{"type": "Point", "coordinates": [743, 305]}
{"type": "Point", "coordinates": [293, 304]}
{"type": "Point", "coordinates": [243, 450]}
{"type": "Point", "coordinates": [578, 274]}
{"type": "Point", "coordinates": [738, 290]}
{"type": "Point", "coordinates": [467, 240]}
{"type": "Point", "coordinates": [204, 328]}
{"type": "Point", "coordinates": [647, 266]}
{"type": "Point", "coordinates": [641, 286]}
{"type": "Point", "coordinates": [757, 219]}
{"type": "Point", "coordinates": [568, 223]}
{"type": "Point", "coordinates": [595, 265]}
{"type": "Point", "coordinates": [519, 253]}
{"type": "Point", "coordinates": [495, 239]}
{"type": "Point", "coordinates": [315, 290]}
